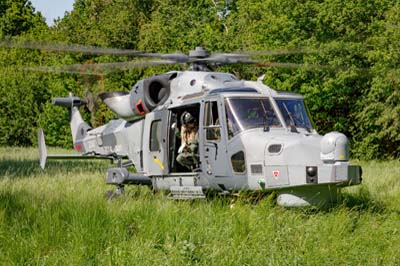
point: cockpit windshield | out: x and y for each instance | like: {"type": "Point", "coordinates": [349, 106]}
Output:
{"type": "Point", "coordinates": [245, 113]}
{"type": "Point", "coordinates": [294, 112]}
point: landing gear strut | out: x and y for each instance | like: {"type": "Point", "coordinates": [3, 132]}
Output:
{"type": "Point", "coordinates": [119, 190]}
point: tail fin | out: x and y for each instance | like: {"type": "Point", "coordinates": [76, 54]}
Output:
{"type": "Point", "coordinates": [42, 148]}
{"type": "Point", "coordinates": [78, 126]}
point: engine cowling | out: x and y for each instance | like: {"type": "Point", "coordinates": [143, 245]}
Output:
{"type": "Point", "coordinates": [145, 95]}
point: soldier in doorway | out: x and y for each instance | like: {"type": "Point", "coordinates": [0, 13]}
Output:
{"type": "Point", "coordinates": [188, 151]}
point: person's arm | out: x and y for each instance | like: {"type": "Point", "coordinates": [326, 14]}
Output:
{"type": "Point", "coordinates": [183, 139]}
{"type": "Point", "coordinates": [183, 134]}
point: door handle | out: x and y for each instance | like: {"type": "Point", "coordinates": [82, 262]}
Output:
{"type": "Point", "coordinates": [215, 145]}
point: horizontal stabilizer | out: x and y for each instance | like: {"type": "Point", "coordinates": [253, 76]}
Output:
{"type": "Point", "coordinates": [68, 102]}
{"type": "Point", "coordinates": [43, 156]}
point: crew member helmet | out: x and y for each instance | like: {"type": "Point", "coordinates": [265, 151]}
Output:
{"type": "Point", "coordinates": [187, 118]}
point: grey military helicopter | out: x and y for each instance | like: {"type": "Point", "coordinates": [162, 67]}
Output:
{"type": "Point", "coordinates": [250, 136]}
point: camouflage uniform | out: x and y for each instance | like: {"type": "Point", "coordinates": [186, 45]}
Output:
{"type": "Point", "coordinates": [188, 155]}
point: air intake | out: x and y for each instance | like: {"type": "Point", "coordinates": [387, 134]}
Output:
{"type": "Point", "coordinates": [275, 148]}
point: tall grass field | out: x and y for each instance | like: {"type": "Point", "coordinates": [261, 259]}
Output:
{"type": "Point", "coordinates": [60, 216]}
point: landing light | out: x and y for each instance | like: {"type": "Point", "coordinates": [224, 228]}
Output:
{"type": "Point", "coordinates": [312, 175]}
{"type": "Point", "coordinates": [311, 171]}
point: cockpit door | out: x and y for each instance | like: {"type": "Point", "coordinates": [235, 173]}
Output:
{"type": "Point", "coordinates": [214, 148]}
{"type": "Point", "coordinates": [155, 142]}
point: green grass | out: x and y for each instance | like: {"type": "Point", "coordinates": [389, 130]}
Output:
{"type": "Point", "coordinates": [61, 217]}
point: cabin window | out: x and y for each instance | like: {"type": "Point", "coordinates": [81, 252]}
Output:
{"type": "Point", "coordinates": [211, 121]}
{"type": "Point", "coordinates": [155, 135]}
{"type": "Point", "coordinates": [238, 162]}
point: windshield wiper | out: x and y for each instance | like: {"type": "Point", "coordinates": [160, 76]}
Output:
{"type": "Point", "coordinates": [300, 123]}
{"type": "Point", "coordinates": [293, 120]}
{"type": "Point", "coordinates": [265, 122]}
{"type": "Point", "coordinates": [292, 124]}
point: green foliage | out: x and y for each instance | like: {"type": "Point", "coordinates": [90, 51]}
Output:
{"type": "Point", "coordinates": [104, 23]}
{"type": "Point", "coordinates": [181, 25]}
{"type": "Point", "coordinates": [17, 17]}
{"type": "Point", "coordinates": [379, 114]}
{"type": "Point", "coordinates": [18, 112]}
{"type": "Point", "coordinates": [358, 95]}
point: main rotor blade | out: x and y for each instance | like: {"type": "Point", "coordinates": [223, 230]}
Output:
{"type": "Point", "coordinates": [95, 50]}
{"type": "Point", "coordinates": [221, 59]}
{"type": "Point", "coordinates": [245, 56]}
{"type": "Point", "coordinates": [272, 52]}
{"type": "Point", "coordinates": [101, 68]}
{"type": "Point", "coordinates": [294, 65]}
{"type": "Point", "coordinates": [309, 66]}
{"type": "Point", "coordinates": [72, 48]}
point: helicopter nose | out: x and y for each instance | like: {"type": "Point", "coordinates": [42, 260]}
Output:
{"type": "Point", "coordinates": [305, 151]}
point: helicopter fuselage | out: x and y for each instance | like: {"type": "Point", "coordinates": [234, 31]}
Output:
{"type": "Point", "coordinates": [250, 137]}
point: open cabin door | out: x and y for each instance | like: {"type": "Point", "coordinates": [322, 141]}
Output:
{"type": "Point", "coordinates": [155, 150]}
{"type": "Point", "coordinates": [214, 149]}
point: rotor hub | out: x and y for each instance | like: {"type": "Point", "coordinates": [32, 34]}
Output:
{"type": "Point", "coordinates": [199, 52]}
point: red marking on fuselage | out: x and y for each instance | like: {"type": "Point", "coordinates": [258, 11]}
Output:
{"type": "Point", "coordinates": [78, 147]}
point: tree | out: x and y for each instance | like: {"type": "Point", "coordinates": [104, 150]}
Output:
{"type": "Point", "coordinates": [376, 132]}
{"type": "Point", "coordinates": [358, 94]}
{"type": "Point", "coordinates": [18, 17]}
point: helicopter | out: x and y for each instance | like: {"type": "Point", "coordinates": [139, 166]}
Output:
{"type": "Point", "coordinates": [249, 136]}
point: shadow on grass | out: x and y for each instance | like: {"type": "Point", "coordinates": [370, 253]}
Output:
{"type": "Point", "coordinates": [249, 198]}
{"type": "Point", "coordinates": [30, 168]}
{"type": "Point", "coordinates": [362, 200]}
